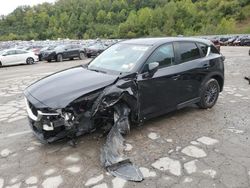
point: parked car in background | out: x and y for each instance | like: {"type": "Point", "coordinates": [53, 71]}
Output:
{"type": "Point", "coordinates": [43, 51]}
{"type": "Point", "coordinates": [95, 49]}
{"type": "Point", "coordinates": [237, 41]}
{"type": "Point", "coordinates": [17, 56]}
{"type": "Point", "coordinates": [230, 41]}
{"type": "Point", "coordinates": [216, 43]}
{"type": "Point", "coordinates": [245, 41]}
{"type": "Point", "coordinates": [61, 52]}
{"type": "Point", "coordinates": [34, 48]}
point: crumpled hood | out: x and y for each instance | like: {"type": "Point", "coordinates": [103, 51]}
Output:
{"type": "Point", "coordinates": [58, 90]}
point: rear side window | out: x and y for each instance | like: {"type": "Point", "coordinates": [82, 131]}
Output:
{"type": "Point", "coordinates": [204, 49]}
{"type": "Point", "coordinates": [20, 52]}
{"type": "Point", "coordinates": [188, 51]}
{"type": "Point", "coordinates": [164, 55]}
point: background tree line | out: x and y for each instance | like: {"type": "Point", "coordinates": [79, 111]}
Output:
{"type": "Point", "coordinates": [77, 19]}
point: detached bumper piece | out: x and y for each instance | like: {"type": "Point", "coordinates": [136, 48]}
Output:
{"type": "Point", "coordinates": [112, 156]}
{"type": "Point", "coordinates": [248, 78]}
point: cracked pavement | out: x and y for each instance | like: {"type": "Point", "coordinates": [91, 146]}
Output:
{"type": "Point", "coordinates": [186, 148]}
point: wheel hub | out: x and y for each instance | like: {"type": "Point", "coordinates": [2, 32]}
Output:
{"type": "Point", "coordinates": [211, 93]}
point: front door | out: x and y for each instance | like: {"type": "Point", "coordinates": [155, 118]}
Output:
{"type": "Point", "coordinates": [157, 94]}
{"type": "Point", "coordinates": [9, 58]}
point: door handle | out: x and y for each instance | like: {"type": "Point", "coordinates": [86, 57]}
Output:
{"type": "Point", "coordinates": [176, 77]}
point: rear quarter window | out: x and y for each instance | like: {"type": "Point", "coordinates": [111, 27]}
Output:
{"type": "Point", "coordinates": [204, 49]}
{"type": "Point", "coordinates": [214, 50]}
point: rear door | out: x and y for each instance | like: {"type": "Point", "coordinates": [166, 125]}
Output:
{"type": "Point", "coordinates": [22, 56]}
{"type": "Point", "coordinates": [76, 50]}
{"type": "Point", "coordinates": [192, 68]}
{"type": "Point", "coordinates": [67, 53]}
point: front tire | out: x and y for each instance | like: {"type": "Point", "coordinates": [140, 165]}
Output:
{"type": "Point", "coordinates": [209, 94]}
{"type": "Point", "coordinates": [30, 61]}
{"type": "Point", "coordinates": [59, 58]}
{"type": "Point", "coordinates": [81, 55]}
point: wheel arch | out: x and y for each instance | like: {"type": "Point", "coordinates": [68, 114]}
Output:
{"type": "Point", "coordinates": [56, 56]}
{"type": "Point", "coordinates": [220, 80]}
{"type": "Point", "coordinates": [59, 54]}
{"type": "Point", "coordinates": [217, 76]}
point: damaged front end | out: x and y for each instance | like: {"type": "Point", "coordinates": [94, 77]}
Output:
{"type": "Point", "coordinates": [51, 125]}
{"type": "Point", "coordinates": [111, 108]}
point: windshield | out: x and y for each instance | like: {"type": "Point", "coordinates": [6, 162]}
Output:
{"type": "Point", "coordinates": [2, 52]}
{"type": "Point", "coordinates": [61, 47]}
{"type": "Point", "coordinates": [96, 46]}
{"type": "Point", "coordinates": [48, 48]}
{"type": "Point", "coordinates": [119, 58]}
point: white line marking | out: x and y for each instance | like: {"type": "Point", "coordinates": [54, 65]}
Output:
{"type": "Point", "coordinates": [18, 133]}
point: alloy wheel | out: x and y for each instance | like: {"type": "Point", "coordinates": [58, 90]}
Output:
{"type": "Point", "coordinates": [82, 56]}
{"type": "Point", "coordinates": [30, 61]}
{"type": "Point", "coordinates": [211, 93]}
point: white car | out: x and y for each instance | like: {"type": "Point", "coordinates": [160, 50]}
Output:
{"type": "Point", "coordinates": [17, 56]}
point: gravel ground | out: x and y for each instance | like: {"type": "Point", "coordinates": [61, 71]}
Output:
{"type": "Point", "coordinates": [186, 148]}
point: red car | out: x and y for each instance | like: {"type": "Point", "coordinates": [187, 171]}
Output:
{"type": "Point", "coordinates": [216, 44]}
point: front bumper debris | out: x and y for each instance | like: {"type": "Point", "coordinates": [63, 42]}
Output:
{"type": "Point", "coordinates": [112, 156]}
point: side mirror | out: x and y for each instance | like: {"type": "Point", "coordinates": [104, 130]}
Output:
{"type": "Point", "coordinates": [152, 68]}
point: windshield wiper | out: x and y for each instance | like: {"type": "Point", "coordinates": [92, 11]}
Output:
{"type": "Point", "coordinates": [98, 70]}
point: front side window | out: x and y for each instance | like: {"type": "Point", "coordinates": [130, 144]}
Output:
{"type": "Point", "coordinates": [164, 55]}
{"type": "Point", "coordinates": [188, 51]}
{"type": "Point", "coordinates": [11, 52]}
{"type": "Point", "coordinates": [60, 48]}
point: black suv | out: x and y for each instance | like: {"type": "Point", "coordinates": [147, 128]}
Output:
{"type": "Point", "coordinates": [61, 52]}
{"type": "Point", "coordinates": [95, 50]}
{"type": "Point", "coordinates": [137, 79]}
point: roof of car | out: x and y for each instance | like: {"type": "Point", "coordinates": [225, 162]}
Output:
{"type": "Point", "coordinates": [157, 41]}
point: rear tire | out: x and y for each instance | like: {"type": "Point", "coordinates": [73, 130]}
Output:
{"type": "Point", "coordinates": [209, 94]}
{"type": "Point", "coordinates": [59, 58]}
{"type": "Point", "coordinates": [1, 64]}
{"type": "Point", "coordinates": [30, 61]}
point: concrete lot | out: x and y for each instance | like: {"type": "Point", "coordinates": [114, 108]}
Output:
{"type": "Point", "coordinates": [187, 148]}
